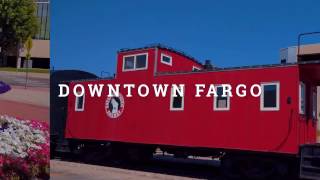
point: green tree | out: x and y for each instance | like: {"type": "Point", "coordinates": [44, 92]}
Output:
{"type": "Point", "coordinates": [18, 21]}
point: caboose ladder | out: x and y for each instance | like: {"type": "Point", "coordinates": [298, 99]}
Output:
{"type": "Point", "coordinates": [310, 161]}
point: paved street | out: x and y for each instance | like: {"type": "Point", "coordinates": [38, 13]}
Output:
{"type": "Point", "coordinates": [27, 103]}
{"type": "Point", "coordinates": [158, 169]}
{"type": "Point", "coordinates": [19, 79]}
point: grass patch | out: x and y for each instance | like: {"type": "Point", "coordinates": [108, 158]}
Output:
{"type": "Point", "coordinates": [32, 70]}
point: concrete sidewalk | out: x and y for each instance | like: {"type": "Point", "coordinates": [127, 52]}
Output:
{"type": "Point", "coordinates": [60, 170]}
{"type": "Point", "coordinates": [24, 111]}
{"type": "Point", "coordinates": [19, 79]}
{"type": "Point", "coordinates": [32, 96]}
{"type": "Point", "coordinates": [26, 103]}
{"type": "Point", "coordinates": [23, 74]}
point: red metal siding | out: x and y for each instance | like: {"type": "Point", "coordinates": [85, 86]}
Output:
{"type": "Point", "coordinates": [179, 62]}
{"type": "Point", "coordinates": [149, 120]}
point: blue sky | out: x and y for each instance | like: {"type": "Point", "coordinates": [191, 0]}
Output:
{"type": "Point", "coordinates": [87, 34]}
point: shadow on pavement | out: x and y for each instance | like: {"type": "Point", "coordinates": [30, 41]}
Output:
{"type": "Point", "coordinates": [192, 168]}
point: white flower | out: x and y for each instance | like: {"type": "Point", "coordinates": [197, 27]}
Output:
{"type": "Point", "coordinates": [18, 137]}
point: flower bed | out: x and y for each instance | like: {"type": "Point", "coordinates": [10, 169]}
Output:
{"type": "Point", "coordinates": [24, 149]}
{"type": "Point", "coordinates": [4, 87]}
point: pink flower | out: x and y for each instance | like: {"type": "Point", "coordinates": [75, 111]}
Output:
{"type": "Point", "coordinates": [35, 164]}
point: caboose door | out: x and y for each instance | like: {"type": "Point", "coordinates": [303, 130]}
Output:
{"type": "Point", "coordinates": [309, 128]}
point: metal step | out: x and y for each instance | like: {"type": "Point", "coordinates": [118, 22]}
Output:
{"type": "Point", "coordinates": [313, 168]}
{"type": "Point", "coordinates": [310, 161]}
{"type": "Point", "coordinates": [311, 157]}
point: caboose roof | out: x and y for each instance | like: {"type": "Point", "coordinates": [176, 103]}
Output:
{"type": "Point", "coordinates": [264, 66]}
{"type": "Point", "coordinates": [218, 69]}
{"type": "Point", "coordinates": [161, 46]}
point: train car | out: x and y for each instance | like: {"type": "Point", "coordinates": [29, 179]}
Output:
{"type": "Point", "coordinates": [253, 136]}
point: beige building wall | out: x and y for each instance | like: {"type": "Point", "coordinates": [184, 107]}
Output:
{"type": "Point", "coordinates": [289, 54]}
{"type": "Point", "coordinates": [310, 49]}
{"type": "Point", "coordinates": [40, 49]}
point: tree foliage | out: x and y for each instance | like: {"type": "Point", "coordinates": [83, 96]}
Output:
{"type": "Point", "coordinates": [18, 21]}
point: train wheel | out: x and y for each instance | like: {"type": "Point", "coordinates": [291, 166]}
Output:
{"type": "Point", "coordinates": [249, 167]}
{"type": "Point", "coordinates": [230, 167]}
{"type": "Point", "coordinates": [92, 157]}
{"type": "Point", "coordinates": [97, 154]}
{"type": "Point", "coordinates": [134, 153]}
{"type": "Point", "coordinates": [76, 150]}
{"type": "Point", "coordinates": [258, 168]}
{"type": "Point", "coordinates": [139, 154]}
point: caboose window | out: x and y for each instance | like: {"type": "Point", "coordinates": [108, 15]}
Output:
{"type": "Point", "coordinates": [221, 103]}
{"type": "Point", "coordinates": [165, 59]}
{"type": "Point", "coordinates": [79, 104]}
{"type": "Point", "coordinates": [129, 62]}
{"type": "Point", "coordinates": [176, 102]}
{"type": "Point", "coordinates": [141, 61]}
{"type": "Point", "coordinates": [302, 97]}
{"type": "Point", "coordinates": [269, 99]}
{"type": "Point", "coordinates": [135, 62]}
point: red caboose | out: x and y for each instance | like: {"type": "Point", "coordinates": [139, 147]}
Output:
{"type": "Point", "coordinates": [272, 128]}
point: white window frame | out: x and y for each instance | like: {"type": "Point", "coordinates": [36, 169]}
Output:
{"type": "Point", "coordinates": [215, 99]}
{"type": "Point", "coordinates": [195, 68]}
{"type": "Point", "coordinates": [76, 104]}
{"type": "Point", "coordinates": [302, 111]}
{"type": "Point", "coordinates": [171, 101]}
{"type": "Point", "coordinates": [164, 62]}
{"type": "Point", "coordinates": [277, 108]}
{"type": "Point", "coordinates": [134, 62]}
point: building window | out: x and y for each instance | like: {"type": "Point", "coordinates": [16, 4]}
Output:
{"type": "Point", "coordinates": [165, 59]}
{"type": "Point", "coordinates": [135, 62]}
{"type": "Point", "coordinates": [79, 104]}
{"type": "Point", "coordinates": [221, 103]}
{"type": "Point", "coordinates": [314, 104]}
{"type": "Point", "coordinates": [269, 99]}
{"type": "Point", "coordinates": [302, 98]}
{"type": "Point", "coordinates": [176, 103]}
{"type": "Point", "coordinates": [194, 68]}
{"type": "Point", "coordinates": [43, 15]}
